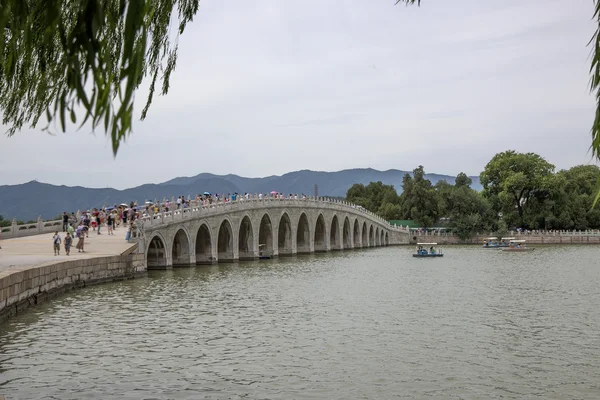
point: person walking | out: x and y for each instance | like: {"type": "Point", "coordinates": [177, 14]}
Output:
{"type": "Point", "coordinates": [81, 236]}
{"type": "Point", "coordinates": [68, 242]}
{"type": "Point", "coordinates": [56, 241]}
{"type": "Point", "coordinates": [86, 223]}
{"type": "Point", "coordinates": [71, 230]}
{"type": "Point", "coordinates": [109, 223]}
{"type": "Point", "coordinates": [98, 222]}
{"type": "Point", "coordinates": [65, 219]}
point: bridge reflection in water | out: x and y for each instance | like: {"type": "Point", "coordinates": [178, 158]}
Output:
{"type": "Point", "coordinates": [273, 227]}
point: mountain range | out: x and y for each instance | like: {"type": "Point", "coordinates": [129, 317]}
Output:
{"type": "Point", "coordinates": [29, 200]}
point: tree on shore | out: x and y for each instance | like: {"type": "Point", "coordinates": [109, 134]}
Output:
{"type": "Point", "coordinates": [519, 190]}
{"type": "Point", "coordinates": [377, 197]}
{"type": "Point", "coordinates": [512, 180]}
{"type": "Point", "coordinates": [467, 211]}
{"type": "Point", "coordinates": [419, 198]}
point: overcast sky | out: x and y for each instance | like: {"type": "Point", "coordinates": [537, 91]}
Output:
{"type": "Point", "coordinates": [266, 87]}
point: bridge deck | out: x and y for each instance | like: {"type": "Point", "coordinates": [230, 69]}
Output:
{"type": "Point", "coordinates": [22, 253]}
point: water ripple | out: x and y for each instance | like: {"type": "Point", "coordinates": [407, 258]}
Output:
{"type": "Point", "coordinates": [358, 325]}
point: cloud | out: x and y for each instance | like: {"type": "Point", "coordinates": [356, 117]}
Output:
{"type": "Point", "coordinates": [267, 87]}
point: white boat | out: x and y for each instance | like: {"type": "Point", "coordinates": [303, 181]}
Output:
{"type": "Point", "coordinates": [424, 253]}
{"type": "Point", "coordinates": [517, 246]}
{"type": "Point", "coordinates": [491, 243]}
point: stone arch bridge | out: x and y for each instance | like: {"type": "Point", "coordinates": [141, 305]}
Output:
{"type": "Point", "coordinates": [243, 229]}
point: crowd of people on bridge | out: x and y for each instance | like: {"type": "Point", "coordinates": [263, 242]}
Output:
{"type": "Point", "coordinates": [124, 215]}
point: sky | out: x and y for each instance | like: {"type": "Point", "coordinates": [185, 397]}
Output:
{"type": "Point", "coordinates": [266, 87]}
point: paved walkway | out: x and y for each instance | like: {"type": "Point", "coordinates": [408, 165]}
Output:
{"type": "Point", "coordinates": [29, 251]}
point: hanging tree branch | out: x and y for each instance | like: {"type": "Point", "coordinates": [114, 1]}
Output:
{"type": "Point", "coordinates": [57, 56]}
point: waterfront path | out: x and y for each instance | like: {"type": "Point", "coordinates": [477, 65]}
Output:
{"type": "Point", "coordinates": [30, 272]}
{"type": "Point", "coordinates": [22, 253]}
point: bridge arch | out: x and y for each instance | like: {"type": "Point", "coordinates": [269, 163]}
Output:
{"type": "Point", "coordinates": [334, 234]}
{"type": "Point", "coordinates": [365, 237]}
{"type": "Point", "coordinates": [387, 240]}
{"type": "Point", "coordinates": [320, 243]}
{"type": "Point", "coordinates": [356, 237]}
{"type": "Point", "coordinates": [284, 235]}
{"type": "Point", "coordinates": [381, 238]}
{"type": "Point", "coordinates": [180, 250]}
{"type": "Point", "coordinates": [371, 236]}
{"type": "Point", "coordinates": [303, 235]}
{"type": "Point", "coordinates": [377, 238]}
{"type": "Point", "coordinates": [156, 253]}
{"type": "Point", "coordinates": [225, 251]}
{"type": "Point", "coordinates": [265, 235]}
{"type": "Point", "coordinates": [346, 238]}
{"type": "Point", "coordinates": [204, 249]}
{"type": "Point", "coordinates": [245, 240]}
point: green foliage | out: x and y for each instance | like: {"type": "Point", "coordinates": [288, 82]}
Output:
{"type": "Point", "coordinates": [519, 190]}
{"type": "Point", "coordinates": [501, 227]}
{"type": "Point", "coordinates": [377, 197]}
{"type": "Point", "coordinates": [467, 210]}
{"type": "Point", "coordinates": [419, 198]}
{"type": "Point", "coordinates": [463, 180]}
{"type": "Point", "coordinates": [512, 181]}
{"type": "Point", "coordinates": [595, 87]}
{"type": "Point", "coordinates": [59, 56]}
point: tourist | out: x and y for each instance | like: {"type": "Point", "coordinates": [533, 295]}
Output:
{"type": "Point", "coordinates": [93, 219]}
{"type": "Point", "coordinates": [98, 222]}
{"type": "Point", "coordinates": [65, 221]}
{"type": "Point", "coordinates": [80, 233]}
{"type": "Point", "coordinates": [109, 223]}
{"type": "Point", "coordinates": [56, 240]}
{"type": "Point", "coordinates": [73, 219]}
{"type": "Point", "coordinates": [68, 241]}
{"type": "Point", "coordinates": [86, 223]}
{"type": "Point", "coordinates": [129, 229]}
{"type": "Point", "coordinates": [114, 219]}
{"type": "Point", "coordinates": [71, 230]}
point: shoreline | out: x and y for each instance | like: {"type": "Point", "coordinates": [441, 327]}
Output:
{"type": "Point", "coordinates": [31, 274]}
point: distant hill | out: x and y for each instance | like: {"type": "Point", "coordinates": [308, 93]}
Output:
{"type": "Point", "coordinates": [28, 200]}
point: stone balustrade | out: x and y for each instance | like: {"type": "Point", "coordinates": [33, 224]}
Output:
{"type": "Point", "coordinates": [197, 207]}
{"type": "Point", "coordinates": [15, 230]}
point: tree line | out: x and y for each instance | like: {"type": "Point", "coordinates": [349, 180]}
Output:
{"type": "Point", "coordinates": [520, 190]}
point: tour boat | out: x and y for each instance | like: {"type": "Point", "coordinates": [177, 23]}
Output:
{"type": "Point", "coordinates": [504, 242]}
{"type": "Point", "coordinates": [517, 246]}
{"type": "Point", "coordinates": [491, 243]}
{"type": "Point", "coordinates": [263, 254]}
{"type": "Point", "coordinates": [432, 252]}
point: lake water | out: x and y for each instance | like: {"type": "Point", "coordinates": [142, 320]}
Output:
{"type": "Point", "coordinates": [371, 324]}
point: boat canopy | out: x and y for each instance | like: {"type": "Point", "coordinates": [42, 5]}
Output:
{"type": "Point", "coordinates": [518, 241]}
{"type": "Point", "coordinates": [426, 244]}
{"type": "Point", "coordinates": [492, 238]}
{"type": "Point", "coordinates": [508, 238]}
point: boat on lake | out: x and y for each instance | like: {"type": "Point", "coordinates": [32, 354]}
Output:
{"type": "Point", "coordinates": [517, 246]}
{"type": "Point", "coordinates": [491, 243]}
{"type": "Point", "coordinates": [424, 253]}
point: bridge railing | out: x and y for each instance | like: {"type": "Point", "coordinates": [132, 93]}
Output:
{"type": "Point", "coordinates": [197, 207]}
{"type": "Point", "coordinates": [19, 230]}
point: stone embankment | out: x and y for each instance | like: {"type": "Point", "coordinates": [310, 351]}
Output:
{"type": "Point", "coordinates": [549, 238]}
{"type": "Point", "coordinates": [29, 277]}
